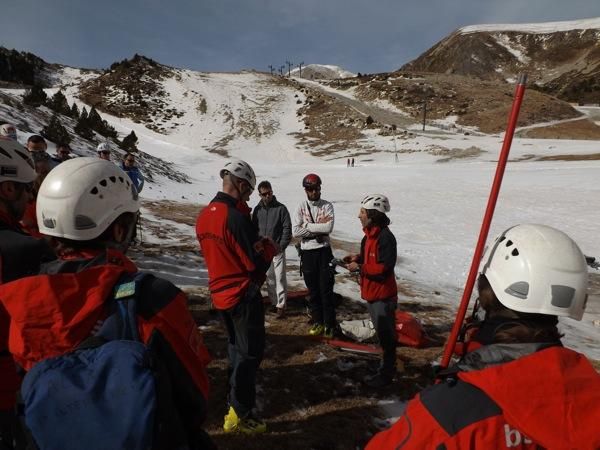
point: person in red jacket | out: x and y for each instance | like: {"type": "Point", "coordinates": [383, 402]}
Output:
{"type": "Point", "coordinates": [521, 389]}
{"type": "Point", "coordinates": [375, 264]}
{"type": "Point", "coordinates": [20, 256]}
{"type": "Point", "coordinates": [89, 207]}
{"type": "Point", "coordinates": [237, 260]}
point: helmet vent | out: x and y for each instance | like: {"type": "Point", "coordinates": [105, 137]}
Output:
{"type": "Point", "coordinates": [84, 222]}
{"type": "Point", "coordinates": [121, 180]}
{"type": "Point", "coordinates": [49, 223]}
{"type": "Point", "coordinates": [113, 179]}
{"type": "Point", "coordinates": [509, 243]}
{"type": "Point", "coordinates": [103, 183]}
{"type": "Point", "coordinates": [520, 289]}
{"type": "Point", "coordinates": [5, 153]}
{"type": "Point", "coordinates": [562, 296]}
{"type": "Point", "coordinates": [515, 252]}
{"type": "Point", "coordinates": [94, 191]}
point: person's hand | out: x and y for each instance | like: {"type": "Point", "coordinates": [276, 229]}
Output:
{"type": "Point", "coordinates": [268, 242]}
{"type": "Point", "coordinates": [325, 219]}
{"type": "Point", "coordinates": [350, 258]}
{"type": "Point", "coordinates": [353, 266]}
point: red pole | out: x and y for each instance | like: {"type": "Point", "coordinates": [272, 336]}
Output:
{"type": "Point", "coordinates": [487, 220]}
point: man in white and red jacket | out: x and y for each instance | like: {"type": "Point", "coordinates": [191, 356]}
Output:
{"type": "Point", "coordinates": [376, 263]}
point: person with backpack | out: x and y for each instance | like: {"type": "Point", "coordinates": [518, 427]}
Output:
{"type": "Point", "coordinates": [113, 357]}
{"type": "Point", "coordinates": [375, 265]}
{"type": "Point", "coordinates": [273, 220]}
{"type": "Point", "coordinates": [518, 387]}
{"type": "Point", "coordinates": [20, 256]}
{"type": "Point", "coordinates": [237, 260]}
{"type": "Point", "coordinates": [313, 223]}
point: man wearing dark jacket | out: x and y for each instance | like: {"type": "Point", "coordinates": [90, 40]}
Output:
{"type": "Point", "coordinates": [273, 220]}
{"type": "Point", "coordinates": [237, 260]}
{"type": "Point", "coordinates": [20, 256]}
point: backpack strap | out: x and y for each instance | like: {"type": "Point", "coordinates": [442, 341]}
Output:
{"type": "Point", "coordinates": [122, 322]}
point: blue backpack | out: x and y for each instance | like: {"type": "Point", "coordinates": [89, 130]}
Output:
{"type": "Point", "coordinates": [101, 396]}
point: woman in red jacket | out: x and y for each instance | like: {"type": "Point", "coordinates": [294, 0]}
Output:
{"type": "Point", "coordinates": [376, 263]}
{"type": "Point", "coordinates": [521, 389]}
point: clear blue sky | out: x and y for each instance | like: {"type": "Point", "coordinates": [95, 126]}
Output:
{"type": "Point", "coordinates": [229, 35]}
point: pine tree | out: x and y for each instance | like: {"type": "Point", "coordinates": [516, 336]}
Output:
{"type": "Point", "coordinates": [59, 103]}
{"type": "Point", "coordinates": [35, 96]}
{"type": "Point", "coordinates": [74, 111]}
{"type": "Point", "coordinates": [94, 120]}
{"type": "Point", "coordinates": [82, 128]}
{"type": "Point", "coordinates": [55, 132]}
{"type": "Point", "coordinates": [129, 143]}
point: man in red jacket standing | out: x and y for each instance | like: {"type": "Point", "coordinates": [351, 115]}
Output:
{"type": "Point", "coordinates": [237, 260]}
{"type": "Point", "coordinates": [521, 389]}
{"type": "Point", "coordinates": [378, 288]}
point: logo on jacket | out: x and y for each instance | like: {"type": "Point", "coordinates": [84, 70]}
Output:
{"type": "Point", "coordinates": [514, 438]}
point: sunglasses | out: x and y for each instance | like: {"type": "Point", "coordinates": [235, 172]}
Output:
{"type": "Point", "coordinates": [130, 160]}
{"type": "Point", "coordinates": [265, 194]}
{"type": "Point", "coordinates": [104, 152]}
{"type": "Point", "coordinates": [313, 189]}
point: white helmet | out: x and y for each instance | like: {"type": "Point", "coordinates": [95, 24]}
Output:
{"type": "Point", "coordinates": [376, 201]}
{"type": "Point", "coordinates": [9, 131]}
{"type": "Point", "coordinates": [81, 197]}
{"type": "Point", "coordinates": [103, 147]}
{"type": "Point", "coordinates": [15, 163]}
{"type": "Point", "coordinates": [240, 169]}
{"type": "Point", "coordinates": [537, 269]}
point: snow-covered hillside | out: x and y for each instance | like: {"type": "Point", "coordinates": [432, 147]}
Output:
{"type": "Point", "coordinates": [438, 181]}
{"type": "Point", "coordinates": [536, 28]}
{"type": "Point", "coordinates": [322, 72]}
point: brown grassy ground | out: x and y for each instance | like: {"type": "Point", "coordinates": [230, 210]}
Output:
{"type": "Point", "coordinates": [312, 395]}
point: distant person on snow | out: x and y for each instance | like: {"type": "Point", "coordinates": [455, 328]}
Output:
{"type": "Point", "coordinates": [129, 167]}
{"type": "Point", "coordinates": [375, 265]}
{"type": "Point", "coordinates": [521, 388]}
{"type": "Point", "coordinates": [90, 208]}
{"type": "Point", "coordinates": [8, 131]}
{"type": "Point", "coordinates": [20, 256]}
{"type": "Point", "coordinates": [313, 223]}
{"type": "Point", "coordinates": [273, 220]}
{"type": "Point", "coordinates": [103, 150]}
{"type": "Point", "coordinates": [237, 260]}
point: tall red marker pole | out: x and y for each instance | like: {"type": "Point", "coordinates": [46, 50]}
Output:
{"type": "Point", "coordinates": [487, 220]}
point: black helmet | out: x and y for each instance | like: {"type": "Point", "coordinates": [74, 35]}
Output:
{"type": "Point", "coordinates": [311, 180]}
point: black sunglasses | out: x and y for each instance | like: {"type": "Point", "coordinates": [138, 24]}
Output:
{"type": "Point", "coordinates": [265, 194]}
{"type": "Point", "coordinates": [313, 189]}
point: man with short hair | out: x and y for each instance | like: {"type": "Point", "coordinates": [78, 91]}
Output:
{"type": "Point", "coordinates": [8, 131]}
{"type": "Point", "coordinates": [37, 146]}
{"type": "Point", "coordinates": [129, 167]}
{"type": "Point", "coordinates": [313, 223]}
{"type": "Point", "coordinates": [20, 256]}
{"type": "Point", "coordinates": [237, 260]}
{"type": "Point", "coordinates": [103, 150]}
{"type": "Point", "coordinates": [63, 152]}
{"type": "Point", "coordinates": [273, 220]}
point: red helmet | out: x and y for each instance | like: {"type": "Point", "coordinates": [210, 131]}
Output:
{"type": "Point", "coordinates": [310, 180]}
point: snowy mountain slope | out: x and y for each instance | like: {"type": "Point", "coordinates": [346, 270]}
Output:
{"type": "Point", "coordinates": [321, 72]}
{"type": "Point", "coordinates": [562, 58]}
{"type": "Point", "coordinates": [437, 180]}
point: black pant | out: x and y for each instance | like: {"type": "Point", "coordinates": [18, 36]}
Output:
{"type": "Point", "coordinates": [319, 279]}
{"type": "Point", "coordinates": [383, 316]}
{"type": "Point", "coordinates": [245, 324]}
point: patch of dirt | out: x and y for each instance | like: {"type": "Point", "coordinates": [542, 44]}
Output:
{"type": "Point", "coordinates": [584, 129]}
{"type": "Point", "coordinates": [180, 212]}
{"type": "Point", "coordinates": [311, 395]}
{"type": "Point", "coordinates": [477, 103]}
{"type": "Point", "coordinates": [591, 157]}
